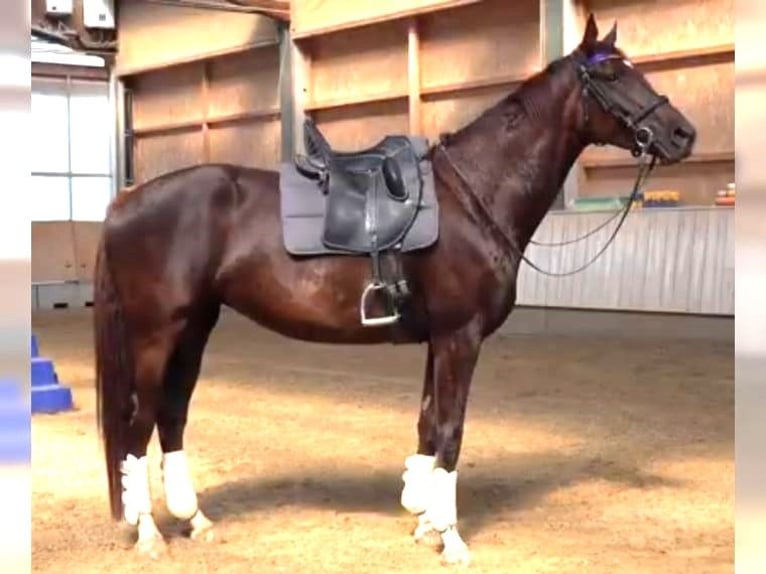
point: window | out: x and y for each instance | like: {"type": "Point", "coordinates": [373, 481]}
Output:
{"type": "Point", "coordinates": [72, 150]}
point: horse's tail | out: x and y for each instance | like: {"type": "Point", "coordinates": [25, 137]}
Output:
{"type": "Point", "coordinates": [114, 375]}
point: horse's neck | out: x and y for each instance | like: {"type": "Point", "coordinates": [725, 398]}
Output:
{"type": "Point", "coordinates": [518, 154]}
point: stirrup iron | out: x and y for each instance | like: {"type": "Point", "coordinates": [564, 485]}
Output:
{"type": "Point", "coordinates": [375, 321]}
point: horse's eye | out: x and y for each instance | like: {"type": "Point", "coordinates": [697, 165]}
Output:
{"type": "Point", "coordinates": [608, 71]}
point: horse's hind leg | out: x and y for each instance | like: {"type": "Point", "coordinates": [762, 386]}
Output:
{"type": "Point", "coordinates": [150, 360]}
{"type": "Point", "coordinates": [180, 379]}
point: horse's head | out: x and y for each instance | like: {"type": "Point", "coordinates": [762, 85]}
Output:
{"type": "Point", "coordinates": [621, 108]}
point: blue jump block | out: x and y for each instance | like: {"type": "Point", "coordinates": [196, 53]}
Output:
{"type": "Point", "coordinates": [15, 436]}
{"type": "Point", "coordinates": [43, 373]}
{"type": "Point", "coordinates": [51, 399]}
{"type": "Point", "coordinates": [48, 395]}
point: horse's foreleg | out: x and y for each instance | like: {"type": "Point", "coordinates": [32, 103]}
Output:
{"type": "Point", "coordinates": [419, 466]}
{"type": "Point", "coordinates": [454, 360]}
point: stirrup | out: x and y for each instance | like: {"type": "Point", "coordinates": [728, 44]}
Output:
{"type": "Point", "coordinates": [376, 321]}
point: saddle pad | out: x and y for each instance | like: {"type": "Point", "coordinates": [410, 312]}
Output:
{"type": "Point", "coordinates": [303, 207]}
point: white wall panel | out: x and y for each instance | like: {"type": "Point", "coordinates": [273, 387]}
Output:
{"type": "Point", "coordinates": [668, 260]}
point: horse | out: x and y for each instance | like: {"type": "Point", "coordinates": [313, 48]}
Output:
{"type": "Point", "coordinates": [179, 247]}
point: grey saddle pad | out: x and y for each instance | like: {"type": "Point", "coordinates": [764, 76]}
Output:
{"type": "Point", "coordinates": [304, 209]}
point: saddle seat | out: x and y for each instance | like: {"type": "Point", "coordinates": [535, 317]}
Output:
{"type": "Point", "coordinates": [372, 198]}
{"type": "Point", "coordinates": [372, 194]}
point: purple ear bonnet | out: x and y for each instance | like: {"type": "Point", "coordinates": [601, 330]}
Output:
{"type": "Point", "coordinates": [597, 58]}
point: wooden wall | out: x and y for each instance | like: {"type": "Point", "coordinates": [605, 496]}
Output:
{"type": "Point", "coordinates": [64, 250]}
{"type": "Point", "coordinates": [208, 92]}
{"type": "Point", "coordinates": [363, 82]}
{"type": "Point", "coordinates": [686, 50]}
{"type": "Point", "coordinates": [312, 17]}
{"type": "Point", "coordinates": [355, 66]}
{"type": "Point", "coordinates": [156, 35]}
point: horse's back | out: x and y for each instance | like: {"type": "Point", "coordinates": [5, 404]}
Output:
{"type": "Point", "coordinates": [165, 239]}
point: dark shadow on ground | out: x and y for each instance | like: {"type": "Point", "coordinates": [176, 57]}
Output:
{"type": "Point", "coordinates": [482, 497]}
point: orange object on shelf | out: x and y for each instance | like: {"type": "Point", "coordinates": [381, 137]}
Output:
{"type": "Point", "coordinates": [727, 200]}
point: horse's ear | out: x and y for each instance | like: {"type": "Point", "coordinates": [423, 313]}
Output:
{"type": "Point", "coordinates": [591, 32]}
{"type": "Point", "coordinates": [611, 37]}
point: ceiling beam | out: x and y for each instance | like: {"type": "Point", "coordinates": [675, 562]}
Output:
{"type": "Point", "coordinates": [277, 9]}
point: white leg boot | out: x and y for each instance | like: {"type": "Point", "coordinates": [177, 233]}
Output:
{"type": "Point", "coordinates": [442, 514]}
{"type": "Point", "coordinates": [416, 493]}
{"type": "Point", "coordinates": [180, 496]}
{"type": "Point", "coordinates": [417, 482]}
{"type": "Point", "coordinates": [137, 504]}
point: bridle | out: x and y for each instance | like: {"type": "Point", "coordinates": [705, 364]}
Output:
{"type": "Point", "coordinates": [593, 86]}
{"type": "Point", "coordinates": [643, 139]}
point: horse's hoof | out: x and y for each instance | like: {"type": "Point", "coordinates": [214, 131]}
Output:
{"type": "Point", "coordinates": [456, 556]}
{"type": "Point", "coordinates": [153, 548]}
{"type": "Point", "coordinates": [205, 534]}
{"type": "Point", "coordinates": [201, 528]}
{"type": "Point", "coordinates": [455, 549]}
{"type": "Point", "coordinates": [427, 537]}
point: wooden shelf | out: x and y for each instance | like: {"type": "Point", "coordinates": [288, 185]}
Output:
{"type": "Point", "coordinates": [356, 101]}
{"type": "Point", "coordinates": [477, 84]}
{"type": "Point", "coordinates": [197, 58]}
{"type": "Point", "coordinates": [679, 56]}
{"type": "Point", "coordinates": [308, 33]}
{"type": "Point", "coordinates": [710, 157]}
{"type": "Point", "coordinates": [179, 125]}
{"type": "Point", "coordinates": [244, 116]}
{"type": "Point", "coordinates": [199, 123]}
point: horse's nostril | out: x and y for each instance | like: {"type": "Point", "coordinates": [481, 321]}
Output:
{"type": "Point", "coordinates": [684, 135]}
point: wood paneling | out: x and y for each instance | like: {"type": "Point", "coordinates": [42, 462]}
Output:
{"type": "Point", "coordinates": [154, 35]}
{"type": "Point", "coordinates": [666, 260]}
{"type": "Point", "coordinates": [64, 250]}
{"type": "Point", "coordinates": [310, 17]}
{"type": "Point", "coordinates": [244, 82]}
{"type": "Point", "coordinates": [162, 153]}
{"type": "Point", "coordinates": [167, 96]}
{"type": "Point", "coordinates": [647, 27]}
{"type": "Point", "coordinates": [53, 252]}
{"type": "Point", "coordinates": [86, 236]}
{"type": "Point", "coordinates": [225, 109]}
{"type": "Point", "coordinates": [361, 126]}
{"type": "Point", "coordinates": [255, 144]}
{"type": "Point", "coordinates": [495, 38]}
{"type": "Point", "coordinates": [355, 64]}
{"type": "Point", "coordinates": [450, 112]}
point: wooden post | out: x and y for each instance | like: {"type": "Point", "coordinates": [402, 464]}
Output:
{"type": "Point", "coordinates": [413, 73]}
{"type": "Point", "coordinates": [300, 60]}
{"type": "Point", "coordinates": [205, 110]}
{"type": "Point", "coordinates": [559, 34]}
{"type": "Point", "coordinates": [117, 96]}
{"type": "Point", "coordinates": [287, 103]}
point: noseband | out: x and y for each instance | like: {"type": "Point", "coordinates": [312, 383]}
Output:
{"type": "Point", "coordinates": [595, 86]}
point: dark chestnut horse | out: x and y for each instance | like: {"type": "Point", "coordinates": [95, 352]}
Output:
{"type": "Point", "coordinates": [178, 247]}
